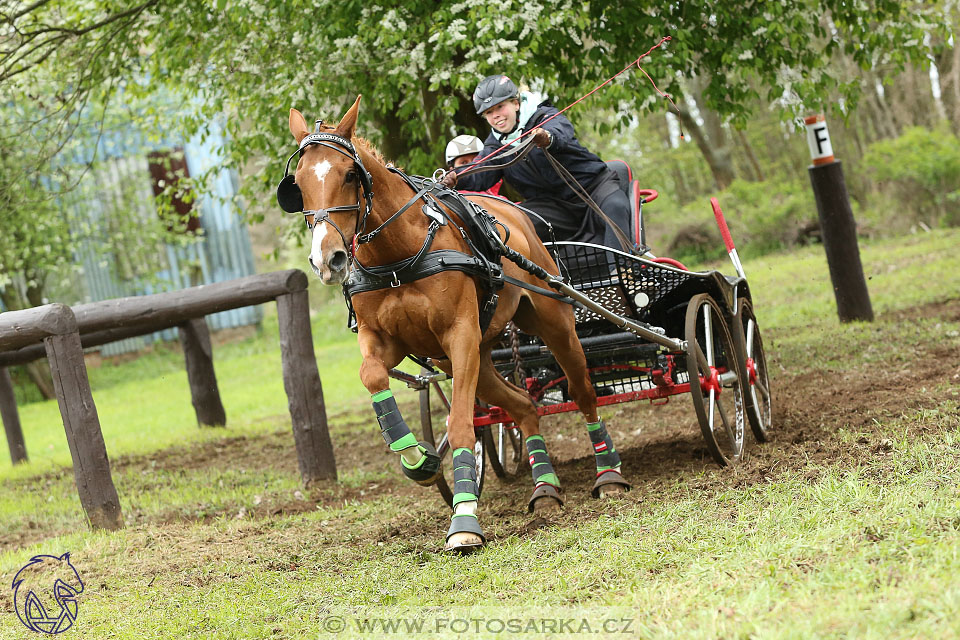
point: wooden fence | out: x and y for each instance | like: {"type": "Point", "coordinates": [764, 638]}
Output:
{"type": "Point", "coordinates": [60, 333]}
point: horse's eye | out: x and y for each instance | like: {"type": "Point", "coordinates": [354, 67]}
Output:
{"type": "Point", "coordinates": [350, 176]}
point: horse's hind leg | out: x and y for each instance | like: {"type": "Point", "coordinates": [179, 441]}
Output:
{"type": "Point", "coordinates": [493, 388]}
{"type": "Point", "coordinates": [554, 322]}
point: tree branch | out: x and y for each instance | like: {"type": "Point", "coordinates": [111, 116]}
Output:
{"type": "Point", "coordinates": [16, 60]}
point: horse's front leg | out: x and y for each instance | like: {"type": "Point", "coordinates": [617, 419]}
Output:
{"type": "Point", "coordinates": [419, 460]}
{"type": "Point", "coordinates": [462, 345]}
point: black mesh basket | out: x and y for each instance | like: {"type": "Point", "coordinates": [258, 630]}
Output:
{"type": "Point", "coordinates": [645, 291]}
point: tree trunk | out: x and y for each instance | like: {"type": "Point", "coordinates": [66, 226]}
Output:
{"type": "Point", "coordinates": [910, 96]}
{"type": "Point", "coordinates": [879, 107]}
{"type": "Point", "coordinates": [751, 157]}
{"type": "Point", "coordinates": [433, 121]}
{"type": "Point", "coordinates": [395, 145]}
{"type": "Point", "coordinates": [948, 67]}
{"type": "Point", "coordinates": [710, 137]}
{"type": "Point", "coordinates": [718, 159]}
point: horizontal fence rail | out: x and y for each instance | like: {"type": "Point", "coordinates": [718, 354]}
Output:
{"type": "Point", "coordinates": [27, 335]}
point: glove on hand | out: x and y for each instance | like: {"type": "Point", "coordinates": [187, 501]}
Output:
{"type": "Point", "coordinates": [542, 138]}
{"type": "Point", "coordinates": [449, 179]}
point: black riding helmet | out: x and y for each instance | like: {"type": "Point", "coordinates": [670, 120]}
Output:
{"type": "Point", "coordinates": [493, 90]}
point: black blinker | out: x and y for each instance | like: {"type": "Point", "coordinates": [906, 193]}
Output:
{"type": "Point", "coordinates": [288, 195]}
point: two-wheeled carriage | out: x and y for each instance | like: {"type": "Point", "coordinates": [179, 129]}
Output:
{"type": "Point", "coordinates": [698, 335]}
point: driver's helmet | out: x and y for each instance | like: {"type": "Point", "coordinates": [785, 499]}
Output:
{"type": "Point", "coordinates": [461, 146]}
{"type": "Point", "coordinates": [493, 90]}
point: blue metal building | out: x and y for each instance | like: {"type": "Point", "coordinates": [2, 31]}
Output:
{"type": "Point", "coordinates": [121, 177]}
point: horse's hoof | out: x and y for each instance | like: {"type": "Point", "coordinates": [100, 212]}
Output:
{"type": "Point", "coordinates": [609, 483]}
{"type": "Point", "coordinates": [463, 543]}
{"type": "Point", "coordinates": [429, 470]}
{"type": "Point", "coordinates": [546, 497]}
{"type": "Point", "coordinates": [611, 489]}
{"type": "Point", "coordinates": [546, 504]}
{"type": "Point", "coordinates": [465, 535]}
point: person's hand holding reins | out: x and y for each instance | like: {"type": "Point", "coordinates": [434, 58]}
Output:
{"type": "Point", "coordinates": [449, 179]}
{"type": "Point", "coordinates": [542, 138]}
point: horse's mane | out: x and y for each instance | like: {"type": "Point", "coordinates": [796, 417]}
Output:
{"type": "Point", "coordinates": [363, 143]}
{"type": "Point", "coordinates": [369, 148]}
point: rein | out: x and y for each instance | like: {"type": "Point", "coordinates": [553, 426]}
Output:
{"type": "Point", "coordinates": [584, 195]}
{"type": "Point", "coordinates": [521, 151]}
{"type": "Point", "coordinates": [581, 99]}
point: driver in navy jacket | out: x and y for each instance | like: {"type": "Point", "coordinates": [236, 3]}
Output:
{"type": "Point", "coordinates": [510, 113]}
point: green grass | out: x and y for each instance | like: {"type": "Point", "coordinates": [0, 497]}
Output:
{"type": "Point", "coordinates": [140, 413]}
{"type": "Point", "coordinates": [858, 541]}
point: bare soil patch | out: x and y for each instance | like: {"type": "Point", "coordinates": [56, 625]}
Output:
{"type": "Point", "coordinates": [660, 447]}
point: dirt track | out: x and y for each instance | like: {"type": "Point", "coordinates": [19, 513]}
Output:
{"type": "Point", "coordinates": [659, 446]}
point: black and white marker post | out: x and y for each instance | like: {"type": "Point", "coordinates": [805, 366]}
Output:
{"type": "Point", "coordinates": [837, 225]}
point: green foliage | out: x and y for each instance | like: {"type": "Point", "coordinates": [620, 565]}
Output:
{"type": "Point", "coordinates": [61, 205]}
{"type": "Point", "coordinates": [417, 63]}
{"type": "Point", "coordinates": [64, 64]}
{"type": "Point", "coordinates": [763, 217]}
{"type": "Point", "coordinates": [918, 176]}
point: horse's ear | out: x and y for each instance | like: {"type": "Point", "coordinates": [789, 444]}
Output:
{"type": "Point", "coordinates": [298, 126]}
{"type": "Point", "coordinates": [349, 120]}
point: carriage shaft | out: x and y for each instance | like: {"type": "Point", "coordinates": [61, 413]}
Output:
{"type": "Point", "coordinates": [618, 320]}
{"type": "Point", "coordinates": [624, 323]}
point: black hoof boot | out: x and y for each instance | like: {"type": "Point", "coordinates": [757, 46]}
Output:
{"type": "Point", "coordinates": [544, 492]}
{"type": "Point", "coordinates": [609, 478]}
{"type": "Point", "coordinates": [429, 470]}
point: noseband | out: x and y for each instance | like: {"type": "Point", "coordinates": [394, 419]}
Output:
{"type": "Point", "coordinates": [290, 197]}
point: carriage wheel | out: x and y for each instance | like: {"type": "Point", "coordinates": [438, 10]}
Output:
{"type": "Point", "coordinates": [757, 387]}
{"type": "Point", "coordinates": [439, 440]}
{"type": "Point", "coordinates": [713, 364]}
{"type": "Point", "coordinates": [504, 449]}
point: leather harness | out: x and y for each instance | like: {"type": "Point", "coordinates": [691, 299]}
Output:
{"type": "Point", "coordinates": [478, 230]}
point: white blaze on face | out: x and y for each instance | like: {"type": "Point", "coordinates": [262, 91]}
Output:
{"type": "Point", "coordinates": [316, 254]}
{"type": "Point", "coordinates": [321, 169]}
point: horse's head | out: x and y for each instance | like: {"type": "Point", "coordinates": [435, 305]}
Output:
{"type": "Point", "coordinates": [331, 181]}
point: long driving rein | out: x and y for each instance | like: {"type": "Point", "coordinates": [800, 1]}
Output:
{"type": "Point", "coordinates": [483, 261]}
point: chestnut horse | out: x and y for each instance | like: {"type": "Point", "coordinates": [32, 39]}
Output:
{"type": "Point", "coordinates": [436, 316]}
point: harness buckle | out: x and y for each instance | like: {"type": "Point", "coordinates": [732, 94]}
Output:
{"type": "Point", "coordinates": [395, 282]}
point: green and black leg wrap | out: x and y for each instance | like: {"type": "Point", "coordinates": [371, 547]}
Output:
{"type": "Point", "coordinates": [465, 489]}
{"type": "Point", "coordinates": [545, 480]}
{"type": "Point", "coordinates": [607, 458]}
{"type": "Point", "coordinates": [398, 437]}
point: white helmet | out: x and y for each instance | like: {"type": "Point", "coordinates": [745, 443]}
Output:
{"type": "Point", "coordinates": [461, 146]}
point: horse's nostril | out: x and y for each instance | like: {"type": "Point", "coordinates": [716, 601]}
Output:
{"type": "Point", "coordinates": [338, 261]}
{"type": "Point", "coordinates": [312, 266]}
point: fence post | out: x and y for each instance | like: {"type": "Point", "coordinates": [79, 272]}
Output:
{"type": "Point", "coordinates": [304, 391]}
{"type": "Point", "coordinates": [91, 467]}
{"type": "Point", "coordinates": [837, 226]}
{"type": "Point", "coordinates": [198, 354]}
{"type": "Point", "coordinates": [11, 419]}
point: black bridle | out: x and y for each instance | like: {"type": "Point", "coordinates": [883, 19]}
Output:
{"type": "Point", "coordinates": [290, 197]}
